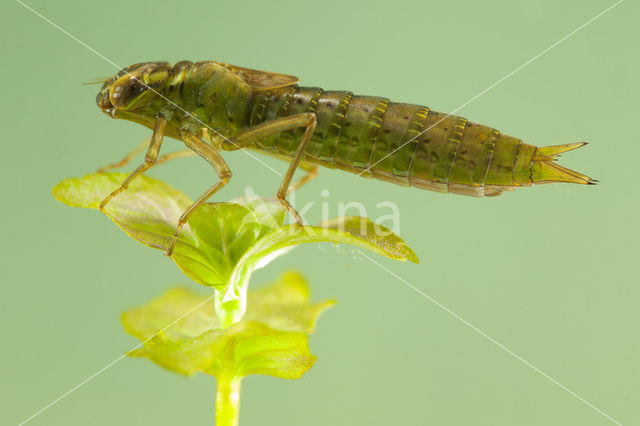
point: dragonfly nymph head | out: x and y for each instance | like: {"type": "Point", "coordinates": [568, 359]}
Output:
{"type": "Point", "coordinates": [133, 87]}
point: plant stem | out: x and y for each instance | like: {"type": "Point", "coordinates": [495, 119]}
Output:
{"type": "Point", "coordinates": [229, 312]}
{"type": "Point", "coordinates": [228, 400]}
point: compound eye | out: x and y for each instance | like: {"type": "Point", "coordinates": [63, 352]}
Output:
{"type": "Point", "coordinates": [126, 90]}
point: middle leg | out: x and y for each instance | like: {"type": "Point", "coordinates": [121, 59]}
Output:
{"type": "Point", "coordinates": [209, 153]}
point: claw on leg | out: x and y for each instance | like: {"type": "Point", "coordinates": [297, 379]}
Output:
{"type": "Point", "coordinates": [150, 159]}
{"type": "Point", "coordinates": [294, 213]}
{"type": "Point", "coordinates": [172, 246]}
{"type": "Point", "coordinates": [138, 171]}
{"type": "Point", "coordinates": [109, 197]}
{"type": "Point", "coordinates": [210, 154]}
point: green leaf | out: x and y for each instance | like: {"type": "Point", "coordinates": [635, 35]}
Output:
{"type": "Point", "coordinates": [379, 239]}
{"type": "Point", "coordinates": [222, 233]}
{"type": "Point", "coordinates": [285, 304]}
{"type": "Point", "coordinates": [181, 331]}
{"type": "Point", "coordinates": [245, 348]}
{"type": "Point", "coordinates": [185, 356]}
{"type": "Point", "coordinates": [356, 231]}
{"type": "Point", "coordinates": [188, 315]}
{"type": "Point", "coordinates": [253, 348]}
{"type": "Point", "coordinates": [148, 210]}
{"type": "Point", "coordinates": [223, 243]}
{"type": "Point", "coordinates": [269, 212]}
{"type": "Point", "coordinates": [208, 247]}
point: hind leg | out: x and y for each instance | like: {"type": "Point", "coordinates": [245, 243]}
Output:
{"type": "Point", "coordinates": [270, 128]}
{"type": "Point", "coordinates": [312, 173]}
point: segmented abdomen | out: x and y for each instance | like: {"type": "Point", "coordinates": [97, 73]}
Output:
{"type": "Point", "coordinates": [401, 143]}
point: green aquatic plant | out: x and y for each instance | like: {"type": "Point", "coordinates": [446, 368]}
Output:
{"type": "Point", "coordinates": [234, 331]}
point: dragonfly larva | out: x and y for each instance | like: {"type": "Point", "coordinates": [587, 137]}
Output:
{"type": "Point", "coordinates": [213, 106]}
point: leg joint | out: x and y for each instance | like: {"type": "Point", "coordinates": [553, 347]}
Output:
{"type": "Point", "coordinates": [311, 117]}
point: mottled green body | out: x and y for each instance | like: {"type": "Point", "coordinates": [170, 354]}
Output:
{"type": "Point", "coordinates": [197, 96]}
{"type": "Point", "coordinates": [405, 144]}
{"type": "Point", "coordinates": [369, 135]}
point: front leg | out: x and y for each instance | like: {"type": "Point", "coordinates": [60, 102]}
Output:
{"type": "Point", "coordinates": [149, 160]}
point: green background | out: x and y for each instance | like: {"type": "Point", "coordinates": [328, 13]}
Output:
{"type": "Point", "coordinates": [549, 272]}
